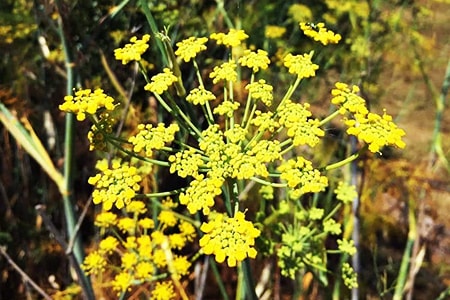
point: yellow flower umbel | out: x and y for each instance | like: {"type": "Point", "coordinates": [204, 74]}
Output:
{"type": "Point", "coordinates": [300, 65]}
{"type": "Point", "coordinates": [87, 102]}
{"type": "Point", "coordinates": [189, 48]}
{"type": "Point", "coordinates": [319, 33]}
{"type": "Point", "coordinates": [377, 131]}
{"type": "Point", "coordinates": [226, 71]}
{"type": "Point", "coordinates": [161, 82]}
{"type": "Point", "coordinates": [255, 60]}
{"type": "Point", "coordinates": [150, 138]}
{"type": "Point", "coordinates": [230, 238]}
{"type": "Point", "coordinates": [115, 186]}
{"type": "Point", "coordinates": [232, 39]}
{"type": "Point", "coordinates": [132, 51]}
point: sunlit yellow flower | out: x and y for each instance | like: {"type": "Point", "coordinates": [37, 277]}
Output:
{"type": "Point", "coordinates": [167, 218]}
{"type": "Point", "coordinates": [94, 263]}
{"type": "Point", "coordinates": [116, 186]}
{"type": "Point", "coordinates": [377, 131]}
{"type": "Point", "coordinates": [200, 194]}
{"type": "Point", "coordinates": [146, 223]}
{"type": "Point", "coordinates": [300, 174]}
{"type": "Point", "coordinates": [144, 270]}
{"type": "Point", "coordinates": [122, 282]}
{"type": "Point", "coordinates": [273, 31]}
{"type": "Point", "coordinates": [348, 99]}
{"type": "Point", "coordinates": [232, 39]}
{"type": "Point", "coordinates": [126, 224]}
{"type": "Point", "coordinates": [161, 82]}
{"type": "Point", "coordinates": [200, 96]}
{"type": "Point", "coordinates": [87, 102]}
{"type": "Point", "coordinates": [136, 207]}
{"type": "Point", "coordinates": [230, 238]}
{"type": "Point", "coordinates": [190, 47]}
{"type": "Point", "coordinates": [163, 291]}
{"type": "Point", "coordinates": [132, 51]}
{"type": "Point", "coordinates": [255, 60]}
{"type": "Point", "coordinates": [226, 108]}
{"type": "Point", "coordinates": [108, 245]}
{"type": "Point", "coordinates": [320, 33]}
{"type": "Point", "coordinates": [301, 65]}
{"type": "Point", "coordinates": [226, 71]}
{"type": "Point", "coordinates": [106, 219]}
{"type": "Point", "coordinates": [180, 266]}
{"type": "Point", "coordinates": [186, 163]}
{"type": "Point", "coordinates": [261, 91]}
{"type": "Point", "coordinates": [296, 118]}
{"type": "Point", "coordinates": [151, 138]}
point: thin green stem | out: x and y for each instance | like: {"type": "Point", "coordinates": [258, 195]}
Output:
{"type": "Point", "coordinates": [154, 28]}
{"type": "Point", "coordinates": [342, 162]}
{"type": "Point", "coordinates": [223, 291]}
{"type": "Point", "coordinates": [329, 118]}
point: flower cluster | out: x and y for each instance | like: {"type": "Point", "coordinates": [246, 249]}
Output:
{"type": "Point", "coordinates": [235, 141]}
{"type": "Point", "coordinates": [230, 238]}
{"type": "Point", "coordinates": [190, 47]}
{"type": "Point", "coordinates": [151, 138]}
{"type": "Point", "coordinates": [161, 82]}
{"type": "Point", "coordinates": [132, 51]}
{"type": "Point", "coordinates": [377, 131]}
{"type": "Point", "coordinates": [231, 39]}
{"type": "Point", "coordinates": [300, 65]}
{"type": "Point", "coordinates": [319, 33]}
{"type": "Point", "coordinates": [274, 32]}
{"type": "Point", "coordinates": [116, 185]}
{"type": "Point", "coordinates": [87, 102]}
{"type": "Point", "coordinates": [146, 253]}
{"type": "Point", "coordinates": [302, 177]}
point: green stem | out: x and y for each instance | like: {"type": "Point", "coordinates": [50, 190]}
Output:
{"type": "Point", "coordinates": [69, 212]}
{"type": "Point", "coordinates": [403, 272]}
{"type": "Point", "coordinates": [216, 273]}
{"type": "Point", "coordinates": [329, 118]}
{"type": "Point", "coordinates": [154, 28]}
{"type": "Point", "coordinates": [343, 162]}
{"type": "Point", "coordinates": [248, 280]}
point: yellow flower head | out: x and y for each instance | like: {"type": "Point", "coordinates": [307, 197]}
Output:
{"type": "Point", "coordinates": [319, 33]}
{"type": "Point", "coordinates": [106, 219]}
{"type": "Point", "coordinates": [300, 175]}
{"type": "Point", "coordinates": [161, 82]}
{"type": "Point", "coordinates": [116, 186]}
{"type": "Point", "coordinates": [200, 96]}
{"type": "Point", "coordinates": [151, 138]}
{"type": "Point", "coordinates": [296, 118]}
{"type": "Point", "coordinates": [274, 32]}
{"type": "Point", "coordinates": [200, 194]}
{"type": "Point", "coordinates": [226, 71]}
{"type": "Point", "coordinates": [108, 245]}
{"type": "Point", "coordinates": [301, 65]}
{"type": "Point", "coordinates": [261, 91]}
{"type": "Point", "coordinates": [232, 39]}
{"type": "Point", "coordinates": [132, 51]}
{"type": "Point", "coordinates": [87, 102]}
{"type": "Point", "coordinates": [226, 108]}
{"type": "Point", "coordinates": [255, 60]}
{"type": "Point", "coordinates": [377, 131]}
{"type": "Point", "coordinates": [94, 263]}
{"type": "Point", "coordinates": [230, 238]}
{"type": "Point", "coordinates": [163, 291]}
{"type": "Point", "coordinates": [348, 99]}
{"type": "Point", "coordinates": [122, 282]}
{"type": "Point", "coordinates": [189, 48]}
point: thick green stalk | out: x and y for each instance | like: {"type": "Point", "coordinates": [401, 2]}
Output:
{"type": "Point", "coordinates": [403, 272]}
{"type": "Point", "coordinates": [69, 212]}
